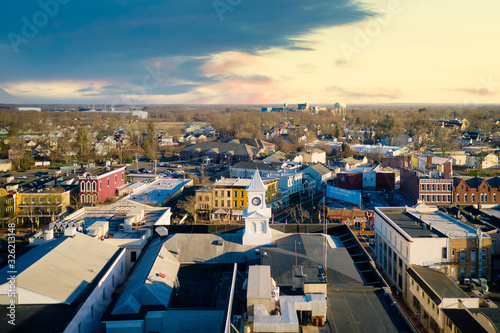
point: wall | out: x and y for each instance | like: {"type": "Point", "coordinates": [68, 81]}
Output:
{"type": "Point", "coordinates": [115, 276]}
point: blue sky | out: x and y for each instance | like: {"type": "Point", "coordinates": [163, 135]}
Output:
{"type": "Point", "coordinates": [242, 51]}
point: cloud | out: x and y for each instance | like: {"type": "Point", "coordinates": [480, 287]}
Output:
{"type": "Point", "coordinates": [368, 94]}
{"type": "Point", "coordinates": [116, 40]}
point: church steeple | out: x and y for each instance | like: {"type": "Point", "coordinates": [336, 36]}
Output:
{"type": "Point", "coordinates": [257, 214]}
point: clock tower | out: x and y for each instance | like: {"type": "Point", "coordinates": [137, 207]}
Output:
{"type": "Point", "coordinates": [257, 214]}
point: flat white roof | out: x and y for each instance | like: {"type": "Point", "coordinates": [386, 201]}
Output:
{"type": "Point", "coordinates": [259, 282]}
{"type": "Point", "coordinates": [447, 225]}
{"type": "Point", "coordinates": [158, 191]}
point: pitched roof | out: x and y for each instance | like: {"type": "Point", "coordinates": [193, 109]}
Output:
{"type": "Point", "coordinates": [320, 168]}
{"type": "Point", "coordinates": [234, 148]}
{"type": "Point", "coordinates": [474, 182]}
{"type": "Point", "coordinates": [257, 184]}
{"type": "Point", "coordinates": [254, 166]}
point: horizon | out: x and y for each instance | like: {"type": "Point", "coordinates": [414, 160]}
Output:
{"type": "Point", "coordinates": [250, 53]}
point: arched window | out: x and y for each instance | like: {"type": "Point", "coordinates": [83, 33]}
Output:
{"type": "Point", "coordinates": [82, 198]}
{"type": "Point", "coordinates": [82, 187]}
{"type": "Point", "coordinates": [94, 198]}
{"type": "Point", "coordinates": [88, 198]}
{"type": "Point", "coordinates": [88, 186]}
{"type": "Point", "coordinates": [263, 227]}
{"type": "Point", "coordinates": [254, 227]}
{"type": "Point", "coordinates": [94, 186]}
{"type": "Point", "coordinates": [100, 184]}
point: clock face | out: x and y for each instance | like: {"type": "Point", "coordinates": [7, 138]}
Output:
{"type": "Point", "coordinates": [256, 201]}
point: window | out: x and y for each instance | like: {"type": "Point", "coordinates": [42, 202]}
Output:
{"type": "Point", "coordinates": [116, 178]}
{"type": "Point", "coordinates": [49, 200]}
{"type": "Point", "coordinates": [439, 187]}
{"type": "Point", "coordinates": [228, 194]}
{"type": "Point", "coordinates": [462, 272]}
{"type": "Point", "coordinates": [222, 203]}
{"type": "Point", "coordinates": [216, 203]}
{"type": "Point", "coordinates": [9, 210]}
{"type": "Point", "coordinates": [229, 203]}
{"type": "Point", "coordinates": [473, 272]}
{"type": "Point", "coordinates": [100, 184]}
{"type": "Point", "coordinates": [24, 201]}
{"type": "Point", "coordinates": [423, 198]}
{"type": "Point", "coordinates": [453, 253]}
{"type": "Point", "coordinates": [423, 187]}
{"type": "Point", "coordinates": [428, 187]}
{"type": "Point", "coordinates": [433, 187]}
{"type": "Point", "coordinates": [484, 255]}
{"type": "Point", "coordinates": [235, 194]}
{"type": "Point", "coordinates": [108, 181]}
{"type": "Point", "coordinates": [40, 200]}
{"type": "Point", "coordinates": [458, 197]}
{"type": "Point", "coordinates": [465, 197]}
{"type": "Point", "coordinates": [449, 198]}
{"type": "Point", "coordinates": [449, 187]}
{"type": "Point", "coordinates": [122, 175]}
{"type": "Point", "coordinates": [481, 198]}
{"type": "Point", "coordinates": [462, 255]}
{"type": "Point", "coordinates": [473, 197]}
{"type": "Point", "coordinates": [82, 198]}
{"type": "Point", "coordinates": [88, 186]}
{"type": "Point", "coordinates": [33, 200]}
{"type": "Point", "coordinates": [486, 197]}
{"type": "Point", "coordinates": [133, 256]}
{"type": "Point", "coordinates": [94, 186]}
{"type": "Point", "coordinates": [216, 193]}
{"type": "Point", "coordinates": [494, 197]}
{"type": "Point", "coordinates": [428, 198]}
{"type": "Point", "coordinates": [82, 186]}
{"type": "Point", "coordinates": [57, 200]}
{"type": "Point", "coordinates": [473, 255]}
{"type": "Point", "coordinates": [433, 198]}
{"type": "Point", "coordinates": [235, 203]}
{"type": "Point", "coordinates": [444, 253]}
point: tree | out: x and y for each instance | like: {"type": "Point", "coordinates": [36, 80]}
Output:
{"type": "Point", "coordinates": [189, 205]}
{"type": "Point", "coordinates": [82, 144]}
{"type": "Point", "coordinates": [442, 140]}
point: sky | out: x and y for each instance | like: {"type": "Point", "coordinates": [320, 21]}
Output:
{"type": "Point", "coordinates": [129, 52]}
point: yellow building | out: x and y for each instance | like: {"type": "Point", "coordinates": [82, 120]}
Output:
{"type": "Point", "coordinates": [7, 203]}
{"type": "Point", "coordinates": [43, 205]}
{"type": "Point", "coordinates": [229, 198]}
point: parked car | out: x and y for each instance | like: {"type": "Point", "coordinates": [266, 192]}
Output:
{"type": "Point", "coordinates": [22, 177]}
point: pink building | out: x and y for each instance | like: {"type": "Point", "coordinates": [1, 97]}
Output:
{"type": "Point", "coordinates": [101, 185]}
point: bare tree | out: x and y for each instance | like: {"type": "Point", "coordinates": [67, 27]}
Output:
{"type": "Point", "coordinates": [189, 205]}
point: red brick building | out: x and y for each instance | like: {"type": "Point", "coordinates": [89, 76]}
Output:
{"type": "Point", "coordinates": [101, 185]}
{"type": "Point", "coordinates": [476, 190]}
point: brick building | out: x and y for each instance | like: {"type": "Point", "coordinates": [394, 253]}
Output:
{"type": "Point", "coordinates": [476, 191]}
{"type": "Point", "coordinates": [100, 185]}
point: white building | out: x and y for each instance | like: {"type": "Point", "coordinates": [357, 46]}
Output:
{"type": "Point", "coordinates": [379, 150]}
{"type": "Point", "coordinates": [418, 236]}
{"type": "Point", "coordinates": [64, 285]}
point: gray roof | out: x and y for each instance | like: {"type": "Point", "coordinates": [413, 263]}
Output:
{"type": "Point", "coordinates": [320, 168]}
{"type": "Point", "coordinates": [408, 223]}
{"type": "Point", "coordinates": [254, 165]}
{"type": "Point", "coordinates": [464, 321]}
{"type": "Point", "coordinates": [435, 284]}
{"type": "Point", "coordinates": [58, 271]}
{"type": "Point", "coordinates": [310, 249]}
{"type": "Point", "coordinates": [234, 148]}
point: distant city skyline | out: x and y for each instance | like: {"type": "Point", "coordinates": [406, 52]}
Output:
{"type": "Point", "coordinates": [250, 52]}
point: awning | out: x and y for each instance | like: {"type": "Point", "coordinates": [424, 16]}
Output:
{"type": "Point", "coordinates": [221, 211]}
{"type": "Point", "coordinates": [237, 211]}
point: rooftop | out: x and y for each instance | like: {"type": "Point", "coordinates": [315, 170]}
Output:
{"type": "Point", "coordinates": [159, 191]}
{"type": "Point", "coordinates": [435, 284]}
{"type": "Point", "coordinates": [425, 221]}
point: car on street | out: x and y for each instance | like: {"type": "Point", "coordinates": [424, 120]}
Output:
{"type": "Point", "coordinates": [22, 177]}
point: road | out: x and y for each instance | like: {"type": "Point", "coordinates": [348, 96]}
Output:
{"type": "Point", "coordinates": [310, 204]}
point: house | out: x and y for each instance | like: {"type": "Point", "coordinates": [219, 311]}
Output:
{"type": "Point", "coordinates": [319, 173]}
{"type": "Point", "coordinates": [481, 161]}
{"type": "Point", "coordinates": [100, 185]}
{"type": "Point", "coordinates": [313, 156]}
{"type": "Point", "coordinates": [63, 285]}
{"type": "Point", "coordinates": [8, 202]}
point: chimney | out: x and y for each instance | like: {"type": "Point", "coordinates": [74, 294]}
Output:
{"type": "Point", "coordinates": [429, 160]}
{"type": "Point", "coordinates": [447, 170]}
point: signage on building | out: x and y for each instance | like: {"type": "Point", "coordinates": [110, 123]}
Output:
{"type": "Point", "coordinates": [336, 193]}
